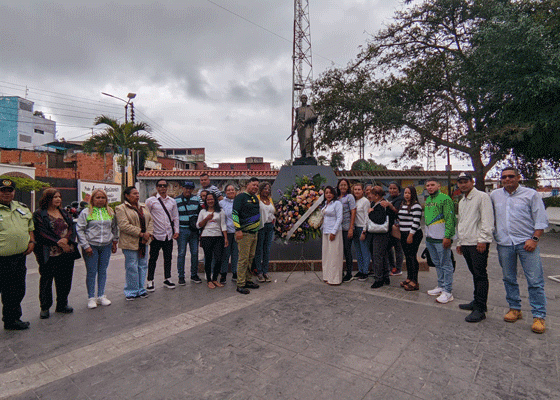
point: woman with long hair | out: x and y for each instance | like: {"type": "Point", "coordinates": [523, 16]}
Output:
{"type": "Point", "coordinates": [213, 238]}
{"type": "Point", "coordinates": [231, 250]}
{"type": "Point", "coordinates": [379, 238]}
{"type": "Point", "coordinates": [348, 219]}
{"type": "Point", "coordinates": [136, 228]}
{"type": "Point", "coordinates": [266, 232]}
{"type": "Point", "coordinates": [56, 250]}
{"type": "Point", "coordinates": [332, 250]}
{"type": "Point", "coordinates": [410, 215]}
{"type": "Point", "coordinates": [98, 236]}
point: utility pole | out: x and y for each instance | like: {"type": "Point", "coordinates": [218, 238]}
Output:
{"type": "Point", "coordinates": [302, 69]}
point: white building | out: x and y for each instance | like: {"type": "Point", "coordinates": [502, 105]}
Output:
{"type": "Point", "coordinates": [20, 128]}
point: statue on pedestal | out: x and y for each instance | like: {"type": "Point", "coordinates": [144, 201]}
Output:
{"type": "Point", "coordinates": [304, 124]}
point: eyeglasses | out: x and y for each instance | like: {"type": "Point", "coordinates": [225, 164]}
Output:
{"type": "Point", "coordinates": [508, 176]}
{"type": "Point", "coordinates": [161, 185]}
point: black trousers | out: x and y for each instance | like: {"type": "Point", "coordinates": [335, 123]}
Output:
{"type": "Point", "coordinates": [379, 243]}
{"type": "Point", "coordinates": [347, 246]}
{"type": "Point", "coordinates": [12, 286]}
{"type": "Point", "coordinates": [61, 269]}
{"type": "Point", "coordinates": [410, 254]}
{"type": "Point", "coordinates": [478, 263]}
{"type": "Point", "coordinates": [213, 247]}
{"type": "Point", "coordinates": [155, 247]}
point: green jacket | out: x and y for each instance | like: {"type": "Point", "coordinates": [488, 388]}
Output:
{"type": "Point", "coordinates": [439, 212]}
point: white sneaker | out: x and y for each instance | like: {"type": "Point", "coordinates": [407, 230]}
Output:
{"type": "Point", "coordinates": [435, 291]}
{"type": "Point", "coordinates": [104, 301]}
{"type": "Point", "coordinates": [445, 298]}
{"type": "Point", "coordinates": [91, 303]}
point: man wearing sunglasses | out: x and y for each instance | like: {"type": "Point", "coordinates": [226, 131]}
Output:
{"type": "Point", "coordinates": [166, 228]}
{"type": "Point", "coordinates": [520, 219]}
{"type": "Point", "coordinates": [16, 242]}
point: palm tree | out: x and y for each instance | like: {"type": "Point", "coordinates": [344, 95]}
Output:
{"type": "Point", "coordinates": [120, 139]}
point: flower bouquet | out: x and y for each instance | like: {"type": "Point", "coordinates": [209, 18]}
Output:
{"type": "Point", "coordinates": [294, 203]}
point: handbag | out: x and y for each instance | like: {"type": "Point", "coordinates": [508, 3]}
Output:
{"type": "Point", "coordinates": [372, 227]}
{"type": "Point", "coordinates": [396, 231]}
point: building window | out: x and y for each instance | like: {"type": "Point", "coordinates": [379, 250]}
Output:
{"type": "Point", "coordinates": [25, 106]}
{"type": "Point", "coordinates": [40, 132]}
{"type": "Point", "coordinates": [25, 138]}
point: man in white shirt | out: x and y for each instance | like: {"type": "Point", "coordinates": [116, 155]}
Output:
{"type": "Point", "coordinates": [520, 220]}
{"type": "Point", "coordinates": [474, 235]}
{"type": "Point", "coordinates": [166, 228]}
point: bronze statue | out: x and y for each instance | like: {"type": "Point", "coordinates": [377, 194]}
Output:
{"type": "Point", "coordinates": [305, 121]}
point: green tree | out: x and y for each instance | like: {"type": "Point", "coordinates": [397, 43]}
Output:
{"type": "Point", "coordinates": [120, 139]}
{"type": "Point", "coordinates": [367, 165]}
{"type": "Point", "coordinates": [337, 160]}
{"type": "Point", "coordinates": [479, 77]}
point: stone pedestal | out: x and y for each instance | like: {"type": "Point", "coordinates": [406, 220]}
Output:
{"type": "Point", "coordinates": [287, 177]}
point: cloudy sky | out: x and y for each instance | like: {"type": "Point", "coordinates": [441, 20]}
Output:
{"type": "Point", "coordinates": [205, 74]}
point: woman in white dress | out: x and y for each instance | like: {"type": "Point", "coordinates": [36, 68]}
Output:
{"type": "Point", "coordinates": [333, 249]}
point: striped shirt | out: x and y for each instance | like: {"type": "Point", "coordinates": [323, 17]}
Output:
{"type": "Point", "coordinates": [210, 189]}
{"type": "Point", "coordinates": [410, 221]}
{"type": "Point", "coordinates": [188, 208]}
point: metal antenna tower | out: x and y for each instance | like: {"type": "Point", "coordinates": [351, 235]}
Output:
{"type": "Point", "coordinates": [302, 71]}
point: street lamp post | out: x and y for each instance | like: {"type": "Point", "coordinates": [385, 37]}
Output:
{"type": "Point", "coordinates": [130, 96]}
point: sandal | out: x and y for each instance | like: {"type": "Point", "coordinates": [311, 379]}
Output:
{"type": "Point", "coordinates": [211, 285]}
{"type": "Point", "coordinates": [405, 282]}
{"type": "Point", "coordinates": [217, 284]}
{"type": "Point", "coordinates": [411, 286]}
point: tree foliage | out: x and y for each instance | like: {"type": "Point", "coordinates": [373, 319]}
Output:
{"type": "Point", "coordinates": [367, 165]}
{"type": "Point", "coordinates": [26, 184]}
{"type": "Point", "coordinates": [480, 77]}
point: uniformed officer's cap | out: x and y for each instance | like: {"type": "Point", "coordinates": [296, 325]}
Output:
{"type": "Point", "coordinates": [7, 183]}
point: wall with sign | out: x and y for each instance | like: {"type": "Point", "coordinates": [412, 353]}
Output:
{"type": "Point", "coordinates": [85, 188]}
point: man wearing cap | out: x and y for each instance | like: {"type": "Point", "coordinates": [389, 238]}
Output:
{"type": "Point", "coordinates": [16, 242]}
{"type": "Point", "coordinates": [474, 235]}
{"type": "Point", "coordinates": [188, 206]}
{"type": "Point", "coordinates": [520, 220]}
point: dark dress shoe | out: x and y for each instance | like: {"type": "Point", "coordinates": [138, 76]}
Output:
{"type": "Point", "coordinates": [251, 285]}
{"type": "Point", "coordinates": [386, 281]}
{"type": "Point", "coordinates": [16, 325]}
{"type": "Point", "coordinates": [65, 310]}
{"type": "Point", "coordinates": [242, 290]}
{"type": "Point", "coordinates": [467, 306]}
{"type": "Point", "coordinates": [44, 314]}
{"type": "Point", "coordinates": [377, 284]}
{"type": "Point", "coordinates": [475, 316]}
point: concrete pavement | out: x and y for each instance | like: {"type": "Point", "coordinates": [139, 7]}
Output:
{"type": "Point", "coordinates": [296, 340]}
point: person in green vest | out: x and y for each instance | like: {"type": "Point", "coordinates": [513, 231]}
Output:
{"type": "Point", "coordinates": [439, 213]}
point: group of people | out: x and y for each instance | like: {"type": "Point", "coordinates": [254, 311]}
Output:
{"type": "Point", "coordinates": [238, 229]}
{"type": "Point", "coordinates": [514, 216]}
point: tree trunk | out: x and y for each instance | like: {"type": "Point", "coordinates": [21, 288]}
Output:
{"type": "Point", "coordinates": [479, 173]}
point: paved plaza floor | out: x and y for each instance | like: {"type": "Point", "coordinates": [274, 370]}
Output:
{"type": "Point", "coordinates": [299, 339]}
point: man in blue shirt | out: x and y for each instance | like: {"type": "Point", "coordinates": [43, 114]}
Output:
{"type": "Point", "coordinates": [520, 219]}
{"type": "Point", "coordinates": [188, 206]}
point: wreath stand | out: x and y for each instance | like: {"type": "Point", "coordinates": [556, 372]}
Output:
{"type": "Point", "coordinates": [306, 266]}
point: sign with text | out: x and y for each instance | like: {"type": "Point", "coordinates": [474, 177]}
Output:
{"type": "Point", "coordinates": [85, 189]}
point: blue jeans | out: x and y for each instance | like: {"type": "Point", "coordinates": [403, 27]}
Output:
{"type": "Point", "coordinates": [136, 269]}
{"type": "Point", "coordinates": [362, 250]}
{"type": "Point", "coordinates": [264, 243]}
{"type": "Point", "coordinates": [532, 267]}
{"type": "Point", "coordinates": [444, 267]}
{"type": "Point", "coordinates": [231, 251]}
{"type": "Point", "coordinates": [96, 265]}
{"type": "Point", "coordinates": [186, 236]}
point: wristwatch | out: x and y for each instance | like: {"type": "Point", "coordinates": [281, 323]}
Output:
{"type": "Point", "coordinates": [536, 239]}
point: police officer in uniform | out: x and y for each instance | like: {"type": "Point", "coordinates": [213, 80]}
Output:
{"type": "Point", "coordinates": [16, 242]}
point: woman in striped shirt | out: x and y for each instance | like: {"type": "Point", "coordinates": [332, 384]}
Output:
{"type": "Point", "coordinates": [409, 216]}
